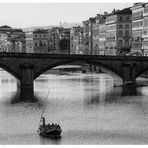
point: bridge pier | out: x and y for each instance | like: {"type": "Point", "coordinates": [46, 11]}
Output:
{"type": "Point", "coordinates": [26, 85]}
{"type": "Point", "coordinates": [128, 72]}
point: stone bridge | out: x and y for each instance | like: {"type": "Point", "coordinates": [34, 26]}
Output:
{"type": "Point", "coordinates": [26, 67]}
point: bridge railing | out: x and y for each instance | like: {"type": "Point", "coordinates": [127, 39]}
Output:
{"type": "Point", "coordinates": [120, 55]}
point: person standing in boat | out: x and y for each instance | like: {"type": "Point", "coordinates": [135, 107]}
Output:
{"type": "Point", "coordinates": [43, 121]}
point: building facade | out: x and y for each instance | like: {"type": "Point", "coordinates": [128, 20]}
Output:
{"type": "Point", "coordinates": [29, 42]}
{"type": "Point", "coordinates": [137, 27]}
{"type": "Point", "coordinates": [95, 35]}
{"type": "Point", "coordinates": [76, 40]}
{"type": "Point", "coordinates": [64, 43]}
{"type": "Point", "coordinates": [86, 38]}
{"type": "Point", "coordinates": [54, 39]}
{"type": "Point", "coordinates": [50, 48]}
{"type": "Point", "coordinates": [145, 30]}
{"type": "Point", "coordinates": [92, 35]}
{"type": "Point", "coordinates": [102, 34]}
{"type": "Point", "coordinates": [59, 40]}
{"type": "Point", "coordinates": [40, 41]}
{"type": "Point", "coordinates": [124, 31]}
{"type": "Point", "coordinates": [12, 40]}
{"type": "Point", "coordinates": [5, 44]}
{"type": "Point", "coordinates": [18, 40]}
{"type": "Point", "coordinates": [111, 34]}
{"type": "Point", "coordinates": [118, 32]}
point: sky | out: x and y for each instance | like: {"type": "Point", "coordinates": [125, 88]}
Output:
{"type": "Point", "coordinates": [20, 15]}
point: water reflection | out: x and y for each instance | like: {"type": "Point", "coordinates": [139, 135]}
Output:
{"type": "Point", "coordinates": [85, 105]}
{"type": "Point", "coordinates": [130, 91]}
{"type": "Point", "coordinates": [93, 89]}
{"type": "Point", "coordinates": [45, 141]}
{"type": "Point", "coordinates": [109, 95]}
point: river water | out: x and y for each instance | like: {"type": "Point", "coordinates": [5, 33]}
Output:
{"type": "Point", "coordinates": [87, 106]}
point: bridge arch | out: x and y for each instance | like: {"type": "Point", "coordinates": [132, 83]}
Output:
{"type": "Point", "coordinates": [141, 72]}
{"type": "Point", "coordinates": [8, 69]}
{"type": "Point", "coordinates": [105, 66]}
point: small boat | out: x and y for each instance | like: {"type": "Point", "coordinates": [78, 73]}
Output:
{"type": "Point", "coordinates": [49, 130]}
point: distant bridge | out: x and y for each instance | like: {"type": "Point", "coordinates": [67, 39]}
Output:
{"type": "Point", "coordinates": [26, 67]}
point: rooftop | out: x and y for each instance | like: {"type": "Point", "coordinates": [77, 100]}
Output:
{"type": "Point", "coordinates": [40, 31]}
{"type": "Point", "coordinates": [5, 27]}
{"type": "Point", "coordinates": [123, 11]}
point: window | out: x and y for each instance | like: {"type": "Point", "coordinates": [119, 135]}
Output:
{"type": "Point", "coordinates": [36, 44]}
{"type": "Point", "coordinates": [40, 43]}
{"type": "Point", "coordinates": [126, 42]}
{"type": "Point", "coordinates": [120, 26]}
{"type": "Point", "coordinates": [120, 43]}
{"type": "Point", "coordinates": [145, 44]}
{"type": "Point", "coordinates": [127, 18]}
{"type": "Point", "coordinates": [111, 27]}
{"type": "Point", "coordinates": [144, 32]}
{"type": "Point", "coordinates": [120, 33]}
{"type": "Point", "coordinates": [146, 10]}
{"type": "Point", "coordinates": [111, 18]}
{"type": "Point", "coordinates": [137, 33]}
{"type": "Point", "coordinates": [127, 26]}
{"type": "Point", "coordinates": [137, 24]}
{"type": "Point", "coordinates": [127, 33]}
{"type": "Point", "coordinates": [137, 14]}
{"type": "Point", "coordinates": [120, 18]}
{"type": "Point", "coordinates": [145, 22]}
{"type": "Point", "coordinates": [44, 44]}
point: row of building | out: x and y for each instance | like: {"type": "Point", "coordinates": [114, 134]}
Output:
{"type": "Point", "coordinates": [117, 33]}
{"type": "Point", "coordinates": [12, 40]}
{"type": "Point", "coordinates": [55, 40]}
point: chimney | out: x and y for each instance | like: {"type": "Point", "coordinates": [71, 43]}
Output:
{"type": "Point", "coordinates": [105, 13]}
{"type": "Point", "coordinates": [98, 15]}
{"type": "Point", "coordinates": [113, 11]}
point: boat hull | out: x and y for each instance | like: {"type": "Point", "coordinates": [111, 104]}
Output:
{"type": "Point", "coordinates": [50, 133]}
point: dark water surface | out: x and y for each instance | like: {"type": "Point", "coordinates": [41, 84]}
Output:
{"type": "Point", "coordinates": [87, 106]}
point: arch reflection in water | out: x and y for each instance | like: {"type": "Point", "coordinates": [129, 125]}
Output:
{"type": "Point", "coordinates": [46, 141]}
{"type": "Point", "coordinates": [8, 86]}
{"type": "Point", "coordinates": [105, 88]}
